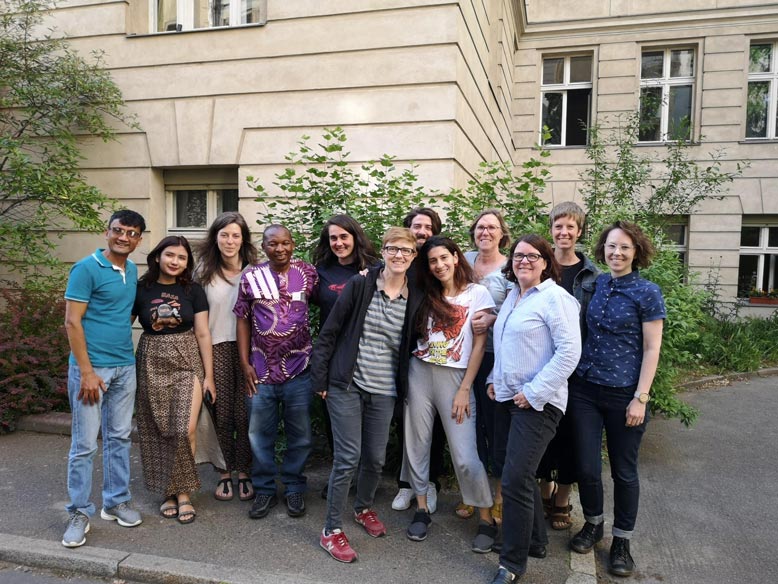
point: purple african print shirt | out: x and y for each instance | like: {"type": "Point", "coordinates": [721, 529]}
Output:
{"type": "Point", "coordinates": [278, 307]}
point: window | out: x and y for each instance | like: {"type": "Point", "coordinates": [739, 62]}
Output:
{"type": "Point", "coordinates": [758, 258]}
{"type": "Point", "coordinates": [196, 197]}
{"type": "Point", "coordinates": [666, 94]}
{"type": "Point", "coordinates": [177, 15]}
{"type": "Point", "coordinates": [761, 117]}
{"type": "Point", "coordinates": [566, 96]}
{"type": "Point", "coordinates": [677, 236]}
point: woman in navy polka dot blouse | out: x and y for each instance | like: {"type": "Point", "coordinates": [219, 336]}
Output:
{"type": "Point", "coordinates": [611, 387]}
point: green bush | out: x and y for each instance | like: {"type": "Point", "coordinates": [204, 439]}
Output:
{"type": "Point", "coordinates": [33, 355]}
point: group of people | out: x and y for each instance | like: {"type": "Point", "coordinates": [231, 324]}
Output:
{"type": "Point", "coordinates": [518, 361]}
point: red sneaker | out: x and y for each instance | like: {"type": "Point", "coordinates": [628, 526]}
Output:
{"type": "Point", "coordinates": [336, 544]}
{"type": "Point", "coordinates": [369, 520]}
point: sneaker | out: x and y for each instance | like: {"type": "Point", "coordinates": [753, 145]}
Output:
{"type": "Point", "coordinates": [417, 530]}
{"type": "Point", "coordinates": [262, 505]}
{"type": "Point", "coordinates": [432, 498]}
{"type": "Point", "coordinates": [484, 539]}
{"type": "Point", "coordinates": [295, 505]}
{"type": "Point", "coordinates": [402, 500]}
{"type": "Point", "coordinates": [78, 527]}
{"type": "Point", "coordinates": [369, 520]}
{"type": "Point", "coordinates": [123, 514]}
{"type": "Point", "coordinates": [621, 562]}
{"type": "Point", "coordinates": [504, 576]}
{"type": "Point", "coordinates": [584, 540]}
{"type": "Point", "coordinates": [336, 544]}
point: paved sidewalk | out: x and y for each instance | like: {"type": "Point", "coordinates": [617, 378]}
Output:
{"type": "Point", "coordinates": [223, 544]}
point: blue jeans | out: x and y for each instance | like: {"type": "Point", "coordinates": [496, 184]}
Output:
{"type": "Point", "coordinates": [294, 396]}
{"type": "Point", "coordinates": [112, 413]}
{"type": "Point", "coordinates": [529, 433]}
{"type": "Point", "coordinates": [360, 431]}
{"type": "Point", "coordinates": [593, 408]}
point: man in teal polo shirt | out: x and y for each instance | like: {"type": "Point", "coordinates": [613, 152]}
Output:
{"type": "Point", "coordinates": [101, 376]}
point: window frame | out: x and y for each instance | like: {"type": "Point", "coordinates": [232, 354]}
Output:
{"type": "Point", "coordinates": [665, 83]}
{"type": "Point", "coordinates": [762, 251]}
{"type": "Point", "coordinates": [185, 16]}
{"type": "Point", "coordinates": [771, 77]}
{"type": "Point", "coordinates": [563, 88]}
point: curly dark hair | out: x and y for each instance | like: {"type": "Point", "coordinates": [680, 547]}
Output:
{"type": "Point", "coordinates": [644, 249]}
{"type": "Point", "coordinates": [552, 269]}
{"type": "Point", "coordinates": [433, 302]}
{"type": "Point", "coordinates": [364, 254]}
{"type": "Point", "coordinates": [152, 274]}
{"type": "Point", "coordinates": [210, 264]}
{"type": "Point", "coordinates": [437, 224]}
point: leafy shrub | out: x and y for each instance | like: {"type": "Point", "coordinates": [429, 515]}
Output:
{"type": "Point", "coordinates": [33, 354]}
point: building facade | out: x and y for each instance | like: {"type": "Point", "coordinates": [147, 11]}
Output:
{"type": "Point", "coordinates": [225, 90]}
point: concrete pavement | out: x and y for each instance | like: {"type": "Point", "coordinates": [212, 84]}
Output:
{"type": "Point", "coordinates": [223, 544]}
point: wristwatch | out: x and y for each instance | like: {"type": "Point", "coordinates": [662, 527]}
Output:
{"type": "Point", "coordinates": [643, 398]}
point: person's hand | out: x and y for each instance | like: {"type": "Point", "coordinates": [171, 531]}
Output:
{"type": "Point", "coordinates": [251, 379]}
{"type": "Point", "coordinates": [209, 388]}
{"type": "Point", "coordinates": [91, 386]}
{"type": "Point", "coordinates": [636, 413]}
{"type": "Point", "coordinates": [322, 394]}
{"type": "Point", "coordinates": [490, 392]}
{"type": "Point", "coordinates": [461, 405]}
{"type": "Point", "coordinates": [481, 321]}
{"type": "Point", "coordinates": [521, 401]}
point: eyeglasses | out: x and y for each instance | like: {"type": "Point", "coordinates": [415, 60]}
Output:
{"type": "Point", "coordinates": [392, 250]}
{"type": "Point", "coordinates": [530, 257]}
{"type": "Point", "coordinates": [131, 233]}
{"type": "Point", "coordinates": [612, 247]}
{"type": "Point", "coordinates": [489, 228]}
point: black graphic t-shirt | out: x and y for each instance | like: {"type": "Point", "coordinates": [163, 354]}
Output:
{"type": "Point", "coordinates": [332, 280]}
{"type": "Point", "coordinates": [165, 309]}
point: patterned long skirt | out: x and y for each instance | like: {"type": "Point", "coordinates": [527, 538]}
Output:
{"type": "Point", "coordinates": [167, 366]}
{"type": "Point", "coordinates": [232, 419]}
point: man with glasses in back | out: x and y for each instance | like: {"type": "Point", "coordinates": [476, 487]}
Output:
{"type": "Point", "coordinates": [101, 375]}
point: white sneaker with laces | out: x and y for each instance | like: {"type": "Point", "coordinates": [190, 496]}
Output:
{"type": "Point", "coordinates": [402, 500]}
{"type": "Point", "coordinates": [432, 498]}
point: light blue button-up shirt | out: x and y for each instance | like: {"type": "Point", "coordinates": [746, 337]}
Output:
{"type": "Point", "coordinates": [537, 344]}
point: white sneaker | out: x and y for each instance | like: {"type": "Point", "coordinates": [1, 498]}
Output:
{"type": "Point", "coordinates": [402, 500]}
{"type": "Point", "coordinates": [432, 498]}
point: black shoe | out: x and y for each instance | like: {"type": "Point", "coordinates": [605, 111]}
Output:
{"type": "Point", "coordinates": [504, 576]}
{"type": "Point", "coordinates": [484, 539]}
{"type": "Point", "coordinates": [537, 551]}
{"type": "Point", "coordinates": [262, 505]}
{"type": "Point", "coordinates": [295, 505]}
{"type": "Point", "coordinates": [417, 530]}
{"type": "Point", "coordinates": [325, 489]}
{"type": "Point", "coordinates": [622, 563]}
{"type": "Point", "coordinates": [584, 540]}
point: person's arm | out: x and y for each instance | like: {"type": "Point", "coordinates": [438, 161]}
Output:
{"type": "Point", "coordinates": [461, 406]}
{"type": "Point", "coordinates": [91, 383]}
{"type": "Point", "coordinates": [203, 335]}
{"type": "Point", "coordinates": [243, 338]}
{"type": "Point", "coordinates": [652, 343]}
{"type": "Point", "coordinates": [483, 320]}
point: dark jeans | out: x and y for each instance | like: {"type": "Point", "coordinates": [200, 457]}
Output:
{"type": "Point", "coordinates": [529, 433]}
{"type": "Point", "coordinates": [593, 408]}
{"type": "Point", "coordinates": [484, 414]}
{"type": "Point", "coordinates": [560, 455]}
{"type": "Point", "coordinates": [360, 431]}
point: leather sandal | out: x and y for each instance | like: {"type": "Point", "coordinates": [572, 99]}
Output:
{"type": "Point", "coordinates": [496, 512]}
{"type": "Point", "coordinates": [560, 517]}
{"type": "Point", "coordinates": [245, 489]}
{"type": "Point", "coordinates": [186, 516]}
{"type": "Point", "coordinates": [548, 504]}
{"type": "Point", "coordinates": [169, 504]}
{"type": "Point", "coordinates": [224, 490]}
{"type": "Point", "coordinates": [464, 511]}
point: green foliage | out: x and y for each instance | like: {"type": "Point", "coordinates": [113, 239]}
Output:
{"type": "Point", "coordinates": [33, 355]}
{"type": "Point", "coordinates": [49, 96]}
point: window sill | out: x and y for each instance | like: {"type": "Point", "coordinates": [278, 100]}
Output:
{"type": "Point", "coordinates": [759, 141]}
{"type": "Point", "coordinates": [560, 147]}
{"type": "Point", "coordinates": [195, 30]}
{"type": "Point", "coordinates": [667, 143]}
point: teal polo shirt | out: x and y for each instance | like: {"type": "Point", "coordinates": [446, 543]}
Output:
{"type": "Point", "coordinates": [109, 295]}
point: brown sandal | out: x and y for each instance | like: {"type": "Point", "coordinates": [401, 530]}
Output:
{"type": "Point", "coordinates": [560, 517]}
{"type": "Point", "coordinates": [548, 504]}
{"type": "Point", "coordinates": [169, 508]}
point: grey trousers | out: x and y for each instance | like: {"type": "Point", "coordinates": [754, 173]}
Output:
{"type": "Point", "coordinates": [432, 388]}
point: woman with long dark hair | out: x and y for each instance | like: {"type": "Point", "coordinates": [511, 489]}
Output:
{"type": "Point", "coordinates": [537, 343]}
{"type": "Point", "coordinates": [442, 370]}
{"type": "Point", "coordinates": [222, 256]}
{"type": "Point", "coordinates": [175, 373]}
{"type": "Point", "coordinates": [611, 387]}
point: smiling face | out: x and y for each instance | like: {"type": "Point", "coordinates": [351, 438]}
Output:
{"type": "Point", "coordinates": [398, 256]}
{"type": "Point", "coordinates": [421, 227]}
{"type": "Point", "coordinates": [229, 239]}
{"type": "Point", "coordinates": [565, 233]}
{"type": "Point", "coordinates": [172, 263]}
{"type": "Point", "coordinates": [527, 273]}
{"type": "Point", "coordinates": [619, 253]}
{"type": "Point", "coordinates": [488, 233]}
{"type": "Point", "coordinates": [278, 247]}
{"type": "Point", "coordinates": [122, 239]}
{"type": "Point", "coordinates": [442, 264]}
{"type": "Point", "coordinates": [341, 244]}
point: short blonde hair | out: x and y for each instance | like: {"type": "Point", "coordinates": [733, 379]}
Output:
{"type": "Point", "coordinates": [395, 233]}
{"type": "Point", "coordinates": [568, 209]}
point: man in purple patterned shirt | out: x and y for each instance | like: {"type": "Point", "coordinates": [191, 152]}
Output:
{"type": "Point", "coordinates": [274, 345]}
